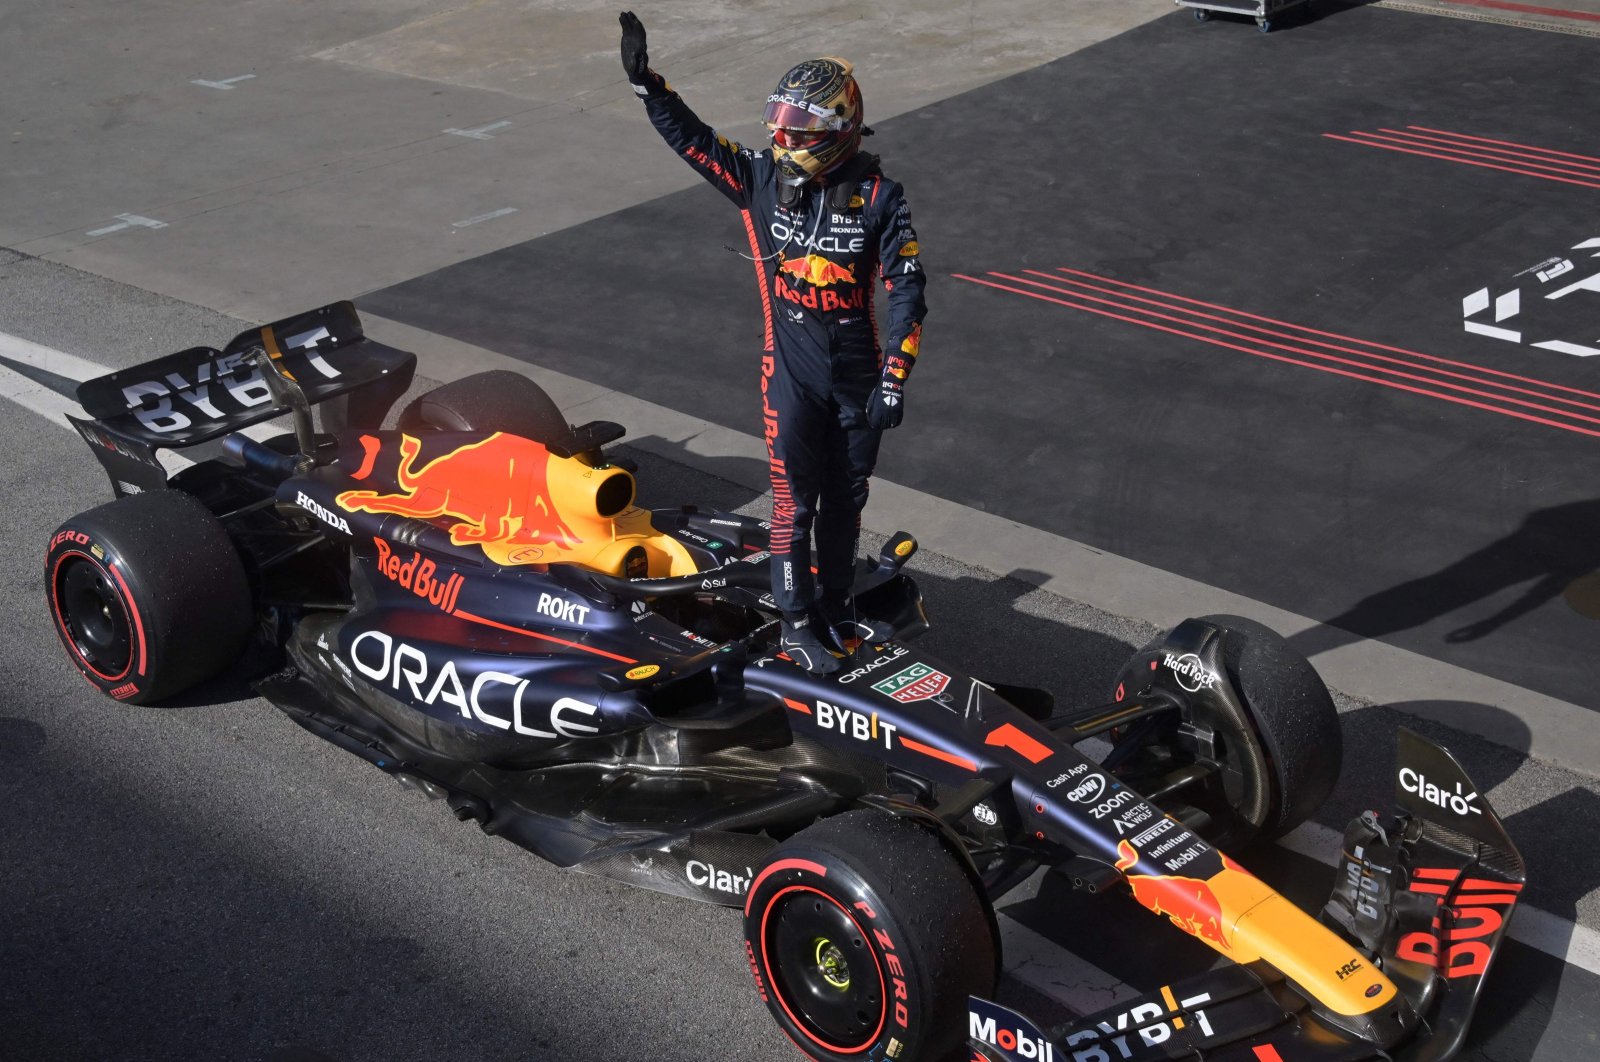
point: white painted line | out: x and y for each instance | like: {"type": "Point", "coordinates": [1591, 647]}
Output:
{"type": "Point", "coordinates": [1492, 332]}
{"type": "Point", "coordinates": [483, 132]}
{"type": "Point", "coordinates": [56, 407]}
{"type": "Point", "coordinates": [483, 217]}
{"type": "Point", "coordinates": [1508, 305]}
{"type": "Point", "coordinates": [1561, 346]}
{"type": "Point", "coordinates": [1573, 944]}
{"type": "Point", "coordinates": [226, 85]}
{"type": "Point", "coordinates": [36, 397]}
{"type": "Point", "coordinates": [15, 348]}
{"type": "Point", "coordinates": [128, 221]}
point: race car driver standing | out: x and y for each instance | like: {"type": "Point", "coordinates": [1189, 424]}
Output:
{"type": "Point", "coordinates": [824, 224]}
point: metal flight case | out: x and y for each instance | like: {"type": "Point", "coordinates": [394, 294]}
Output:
{"type": "Point", "coordinates": [1263, 11]}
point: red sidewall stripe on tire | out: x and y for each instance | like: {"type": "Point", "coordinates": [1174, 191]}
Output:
{"type": "Point", "coordinates": [133, 607]}
{"type": "Point", "coordinates": [883, 984]}
{"type": "Point", "coordinates": [127, 610]}
{"type": "Point", "coordinates": [783, 864]}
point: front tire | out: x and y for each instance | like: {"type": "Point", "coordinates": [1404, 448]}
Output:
{"type": "Point", "coordinates": [1294, 717]}
{"type": "Point", "coordinates": [1261, 772]}
{"type": "Point", "coordinates": [865, 937]}
{"type": "Point", "coordinates": [148, 595]}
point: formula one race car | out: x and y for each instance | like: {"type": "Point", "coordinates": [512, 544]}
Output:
{"type": "Point", "coordinates": [474, 604]}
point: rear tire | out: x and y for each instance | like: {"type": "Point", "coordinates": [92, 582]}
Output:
{"type": "Point", "coordinates": [148, 595]}
{"type": "Point", "coordinates": [500, 400]}
{"type": "Point", "coordinates": [865, 936]}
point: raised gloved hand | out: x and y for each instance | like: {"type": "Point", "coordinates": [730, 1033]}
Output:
{"type": "Point", "coordinates": [886, 407]}
{"type": "Point", "coordinates": [635, 59]}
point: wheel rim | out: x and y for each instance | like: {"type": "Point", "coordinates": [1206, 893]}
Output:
{"type": "Point", "coordinates": [824, 970]}
{"type": "Point", "coordinates": [95, 619]}
{"type": "Point", "coordinates": [1203, 775]}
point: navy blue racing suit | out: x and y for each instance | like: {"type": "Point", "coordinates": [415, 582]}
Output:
{"type": "Point", "coordinates": [817, 263]}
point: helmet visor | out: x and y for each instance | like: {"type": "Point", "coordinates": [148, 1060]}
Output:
{"type": "Point", "coordinates": [786, 113]}
{"type": "Point", "coordinates": [800, 139]}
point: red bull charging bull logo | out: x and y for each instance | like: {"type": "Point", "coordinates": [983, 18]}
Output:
{"type": "Point", "coordinates": [818, 271]}
{"type": "Point", "coordinates": [828, 286]}
{"type": "Point", "coordinates": [1188, 902]}
{"type": "Point", "coordinates": [497, 490]}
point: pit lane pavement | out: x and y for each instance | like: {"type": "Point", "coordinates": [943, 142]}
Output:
{"type": "Point", "coordinates": [210, 879]}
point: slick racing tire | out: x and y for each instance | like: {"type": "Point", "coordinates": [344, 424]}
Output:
{"type": "Point", "coordinates": [865, 937]}
{"type": "Point", "coordinates": [1282, 758]}
{"type": "Point", "coordinates": [148, 595]}
{"type": "Point", "coordinates": [1294, 716]}
{"type": "Point", "coordinates": [500, 400]}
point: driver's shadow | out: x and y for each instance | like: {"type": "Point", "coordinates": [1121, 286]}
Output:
{"type": "Point", "coordinates": [1555, 551]}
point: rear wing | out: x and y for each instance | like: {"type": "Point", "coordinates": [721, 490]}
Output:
{"type": "Point", "coordinates": [200, 394]}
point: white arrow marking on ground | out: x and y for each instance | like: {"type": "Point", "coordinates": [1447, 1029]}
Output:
{"type": "Point", "coordinates": [128, 221]}
{"type": "Point", "coordinates": [483, 217]}
{"type": "Point", "coordinates": [483, 132]}
{"type": "Point", "coordinates": [226, 85]}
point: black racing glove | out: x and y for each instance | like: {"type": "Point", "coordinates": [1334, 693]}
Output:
{"type": "Point", "coordinates": [635, 58]}
{"type": "Point", "coordinates": [886, 407]}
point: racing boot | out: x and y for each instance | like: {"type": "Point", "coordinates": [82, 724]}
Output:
{"type": "Point", "coordinates": [800, 642]}
{"type": "Point", "coordinates": [848, 629]}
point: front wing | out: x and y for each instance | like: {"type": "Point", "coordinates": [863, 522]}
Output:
{"type": "Point", "coordinates": [1426, 897]}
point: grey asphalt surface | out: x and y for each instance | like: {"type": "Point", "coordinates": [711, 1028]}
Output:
{"type": "Point", "coordinates": [208, 880]}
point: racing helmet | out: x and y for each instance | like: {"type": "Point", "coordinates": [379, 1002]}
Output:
{"type": "Point", "coordinates": [815, 118]}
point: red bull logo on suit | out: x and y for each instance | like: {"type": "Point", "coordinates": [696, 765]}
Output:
{"type": "Point", "coordinates": [816, 277]}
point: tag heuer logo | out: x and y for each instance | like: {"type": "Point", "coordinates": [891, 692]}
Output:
{"type": "Point", "coordinates": [916, 683]}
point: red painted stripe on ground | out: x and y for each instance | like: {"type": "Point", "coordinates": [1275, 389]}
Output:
{"type": "Point", "coordinates": [1292, 361]}
{"type": "Point", "coordinates": [1507, 143]}
{"type": "Point", "coordinates": [1450, 158]}
{"type": "Point", "coordinates": [1497, 154]}
{"type": "Point", "coordinates": [1336, 335]}
{"type": "Point", "coordinates": [1529, 9]}
{"type": "Point", "coordinates": [1330, 346]}
{"type": "Point", "coordinates": [1460, 142]}
{"type": "Point", "coordinates": [1302, 350]}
